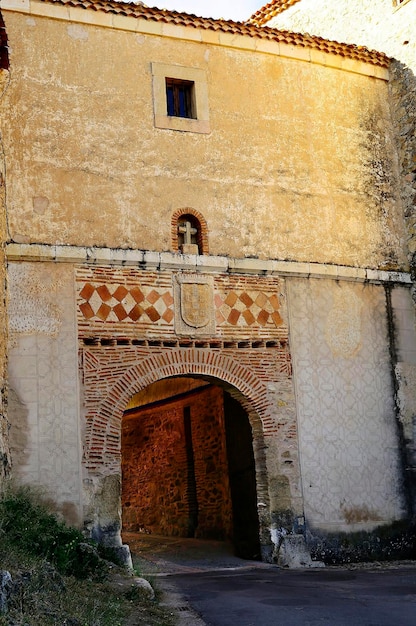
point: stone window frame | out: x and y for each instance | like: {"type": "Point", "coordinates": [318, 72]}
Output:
{"type": "Point", "coordinates": [202, 238]}
{"type": "Point", "coordinates": [199, 124]}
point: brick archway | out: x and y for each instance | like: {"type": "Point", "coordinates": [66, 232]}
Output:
{"type": "Point", "coordinates": [102, 441]}
{"type": "Point", "coordinates": [245, 351]}
{"type": "Point", "coordinates": [103, 424]}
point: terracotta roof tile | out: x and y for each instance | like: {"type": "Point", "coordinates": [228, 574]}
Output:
{"type": "Point", "coordinates": [266, 13]}
{"type": "Point", "coordinates": [248, 29]}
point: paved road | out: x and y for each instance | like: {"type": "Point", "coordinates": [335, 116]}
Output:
{"type": "Point", "coordinates": [275, 597]}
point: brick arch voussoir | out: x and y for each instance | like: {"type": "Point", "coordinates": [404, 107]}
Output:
{"type": "Point", "coordinates": [250, 390]}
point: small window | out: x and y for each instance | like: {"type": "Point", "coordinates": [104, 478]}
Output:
{"type": "Point", "coordinates": [180, 98]}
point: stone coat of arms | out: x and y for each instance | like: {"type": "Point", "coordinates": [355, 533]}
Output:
{"type": "Point", "coordinates": [194, 304]}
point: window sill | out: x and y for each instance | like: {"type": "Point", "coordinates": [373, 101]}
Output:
{"type": "Point", "coordinates": [183, 124]}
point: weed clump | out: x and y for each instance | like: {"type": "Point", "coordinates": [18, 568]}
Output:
{"type": "Point", "coordinates": [56, 576]}
{"type": "Point", "coordinates": [25, 522]}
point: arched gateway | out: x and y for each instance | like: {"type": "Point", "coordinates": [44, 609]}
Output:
{"type": "Point", "coordinates": [114, 373]}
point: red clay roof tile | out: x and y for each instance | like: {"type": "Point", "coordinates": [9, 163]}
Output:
{"type": "Point", "coordinates": [266, 13]}
{"type": "Point", "coordinates": [249, 29]}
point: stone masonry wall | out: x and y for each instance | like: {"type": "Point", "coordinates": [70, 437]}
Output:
{"type": "Point", "coordinates": [163, 490]}
{"type": "Point", "coordinates": [5, 459]}
{"type": "Point", "coordinates": [403, 103]}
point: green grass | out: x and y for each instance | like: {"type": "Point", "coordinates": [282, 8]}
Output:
{"type": "Point", "coordinates": [56, 582]}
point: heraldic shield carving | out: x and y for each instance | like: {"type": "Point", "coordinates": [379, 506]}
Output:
{"type": "Point", "coordinates": [194, 304]}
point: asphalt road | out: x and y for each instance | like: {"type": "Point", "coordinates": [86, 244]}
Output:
{"type": "Point", "coordinates": [275, 597]}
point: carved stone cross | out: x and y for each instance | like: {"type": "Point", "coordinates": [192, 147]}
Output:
{"type": "Point", "coordinates": [187, 230]}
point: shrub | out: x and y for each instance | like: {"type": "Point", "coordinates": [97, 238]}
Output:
{"type": "Point", "coordinates": [26, 522]}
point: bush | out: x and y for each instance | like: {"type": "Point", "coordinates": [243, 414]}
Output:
{"type": "Point", "coordinates": [26, 522]}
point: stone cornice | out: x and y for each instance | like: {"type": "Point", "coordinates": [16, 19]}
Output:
{"type": "Point", "coordinates": [149, 260]}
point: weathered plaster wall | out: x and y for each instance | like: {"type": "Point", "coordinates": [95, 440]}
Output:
{"type": "Point", "coordinates": [5, 460]}
{"type": "Point", "coordinates": [87, 166]}
{"type": "Point", "coordinates": [43, 397]}
{"type": "Point", "coordinates": [348, 434]}
{"type": "Point", "coordinates": [403, 103]}
{"type": "Point", "coordinates": [376, 24]}
{"type": "Point", "coordinates": [4, 447]}
{"type": "Point", "coordinates": [404, 349]}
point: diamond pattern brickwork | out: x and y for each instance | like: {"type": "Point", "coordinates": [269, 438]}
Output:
{"type": "Point", "coordinates": [118, 303]}
{"type": "Point", "coordinates": [128, 302]}
{"type": "Point", "coordinates": [248, 308]}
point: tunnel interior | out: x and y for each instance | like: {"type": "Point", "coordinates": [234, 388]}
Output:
{"type": "Point", "coordinates": [188, 466]}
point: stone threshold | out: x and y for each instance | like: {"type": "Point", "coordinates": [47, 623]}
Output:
{"type": "Point", "coordinates": [149, 260]}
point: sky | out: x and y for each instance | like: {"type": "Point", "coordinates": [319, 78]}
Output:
{"type": "Point", "coordinates": [237, 10]}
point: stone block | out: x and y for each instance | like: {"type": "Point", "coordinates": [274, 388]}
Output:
{"type": "Point", "coordinates": [70, 254]}
{"type": "Point", "coordinates": [294, 554]}
{"type": "Point", "coordinates": [205, 263]}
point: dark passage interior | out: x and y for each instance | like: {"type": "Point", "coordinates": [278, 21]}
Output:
{"type": "Point", "coordinates": [188, 466]}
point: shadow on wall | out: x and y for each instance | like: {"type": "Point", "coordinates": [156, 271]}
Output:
{"type": "Point", "coordinates": [4, 50]}
{"type": "Point", "coordinates": [403, 106]}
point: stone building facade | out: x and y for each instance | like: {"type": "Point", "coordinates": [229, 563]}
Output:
{"type": "Point", "coordinates": [209, 301]}
{"type": "Point", "coordinates": [388, 26]}
{"type": "Point", "coordinates": [385, 25]}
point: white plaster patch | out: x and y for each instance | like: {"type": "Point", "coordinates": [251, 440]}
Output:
{"type": "Point", "coordinates": [30, 21]}
{"type": "Point", "coordinates": [343, 324]}
{"type": "Point", "coordinates": [351, 471]}
{"type": "Point", "coordinates": [140, 39]}
{"type": "Point", "coordinates": [32, 305]}
{"type": "Point", "coordinates": [75, 31]}
{"type": "Point", "coordinates": [42, 370]}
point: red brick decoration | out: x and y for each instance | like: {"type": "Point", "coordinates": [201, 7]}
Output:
{"type": "Point", "coordinates": [113, 375]}
{"type": "Point", "coordinates": [124, 349]}
{"type": "Point", "coordinates": [116, 303]}
{"type": "Point", "coordinates": [247, 308]}
{"type": "Point", "coordinates": [131, 303]}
